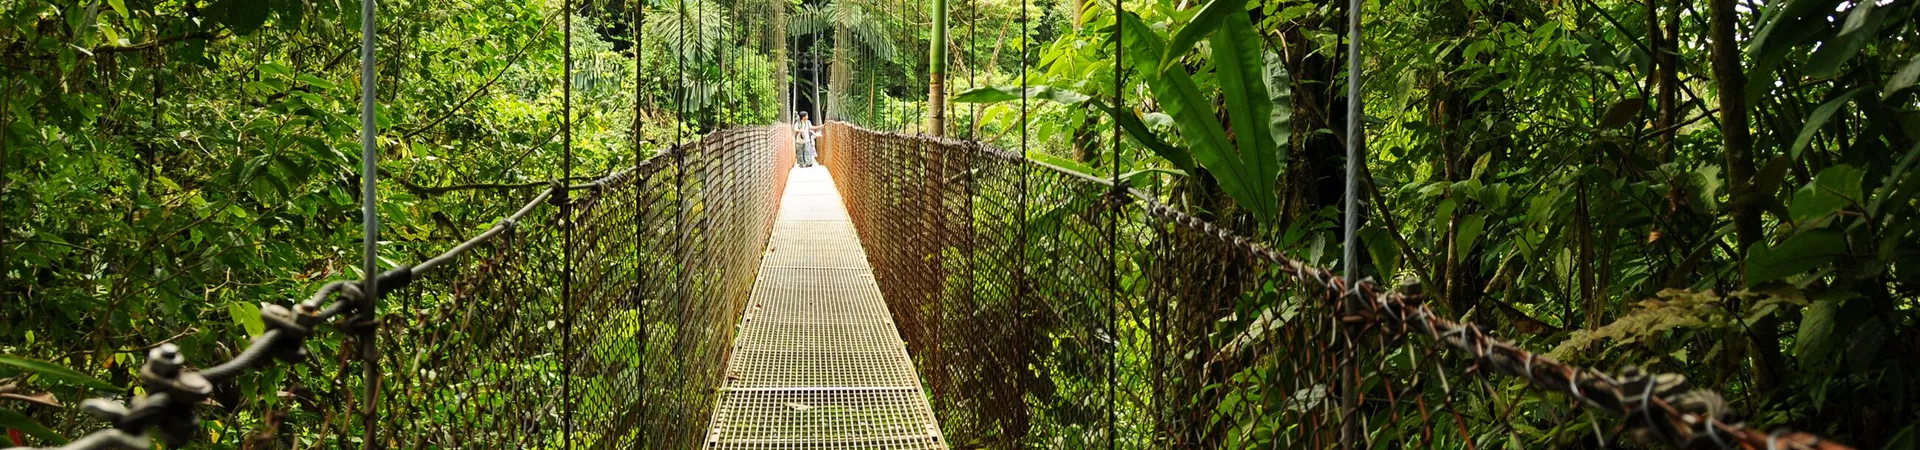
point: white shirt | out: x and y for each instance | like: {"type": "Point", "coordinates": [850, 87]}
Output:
{"type": "Point", "coordinates": [803, 132]}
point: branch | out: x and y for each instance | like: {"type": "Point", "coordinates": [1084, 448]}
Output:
{"type": "Point", "coordinates": [428, 191]}
{"type": "Point", "coordinates": [197, 35]}
{"type": "Point", "coordinates": [515, 59]}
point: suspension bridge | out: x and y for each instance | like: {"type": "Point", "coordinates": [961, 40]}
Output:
{"type": "Point", "coordinates": [917, 292]}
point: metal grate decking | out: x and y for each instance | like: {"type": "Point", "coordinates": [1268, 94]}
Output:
{"type": "Point", "coordinates": [818, 363]}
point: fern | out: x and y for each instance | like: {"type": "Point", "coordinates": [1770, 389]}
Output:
{"type": "Point", "coordinates": [1676, 309]}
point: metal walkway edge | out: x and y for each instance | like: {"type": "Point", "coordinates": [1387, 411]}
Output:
{"type": "Point", "coordinates": [818, 363]}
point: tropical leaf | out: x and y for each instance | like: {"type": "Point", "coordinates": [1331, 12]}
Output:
{"type": "Point", "coordinates": [1129, 122]}
{"type": "Point", "coordinates": [1819, 119]}
{"type": "Point", "coordinates": [847, 16]}
{"type": "Point", "coordinates": [1210, 17]}
{"type": "Point", "coordinates": [1799, 253]}
{"type": "Point", "coordinates": [1248, 179]}
{"type": "Point", "coordinates": [1240, 71]}
{"type": "Point", "coordinates": [999, 94]}
{"type": "Point", "coordinates": [1280, 93]}
{"type": "Point", "coordinates": [18, 421]}
{"type": "Point", "coordinates": [56, 372]}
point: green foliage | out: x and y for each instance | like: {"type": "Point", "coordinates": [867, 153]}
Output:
{"type": "Point", "coordinates": [1536, 177]}
{"type": "Point", "coordinates": [166, 167]}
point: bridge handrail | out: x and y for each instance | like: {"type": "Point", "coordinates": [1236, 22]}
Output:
{"type": "Point", "coordinates": [174, 390]}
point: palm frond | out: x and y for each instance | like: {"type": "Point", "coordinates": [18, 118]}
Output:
{"type": "Point", "coordinates": [695, 29]}
{"type": "Point", "coordinates": [847, 16]}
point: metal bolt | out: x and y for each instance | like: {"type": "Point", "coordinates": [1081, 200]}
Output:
{"type": "Point", "coordinates": [166, 360]}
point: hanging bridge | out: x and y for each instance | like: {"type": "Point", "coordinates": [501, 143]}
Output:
{"type": "Point", "coordinates": [715, 297]}
{"type": "Point", "coordinates": [915, 293]}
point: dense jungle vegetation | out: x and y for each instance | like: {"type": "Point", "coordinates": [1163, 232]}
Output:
{"type": "Point", "coordinates": [170, 165]}
{"type": "Point", "coordinates": [1723, 189]}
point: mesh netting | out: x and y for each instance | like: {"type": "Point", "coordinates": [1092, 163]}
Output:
{"type": "Point", "coordinates": [1050, 309]}
{"type": "Point", "coordinates": [513, 339]}
{"type": "Point", "coordinates": [628, 352]}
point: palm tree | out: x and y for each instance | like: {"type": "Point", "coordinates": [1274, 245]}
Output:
{"type": "Point", "coordinates": [705, 24]}
{"type": "Point", "coordinates": [851, 25]}
{"type": "Point", "coordinates": [696, 32]}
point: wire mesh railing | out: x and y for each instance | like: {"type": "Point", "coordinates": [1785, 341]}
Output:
{"type": "Point", "coordinates": [1052, 309]}
{"type": "Point", "coordinates": [495, 343]}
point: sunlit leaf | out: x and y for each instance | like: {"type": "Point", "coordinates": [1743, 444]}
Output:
{"type": "Point", "coordinates": [1210, 17]}
{"type": "Point", "coordinates": [56, 372]}
{"type": "Point", "coordinates": [18, 421]}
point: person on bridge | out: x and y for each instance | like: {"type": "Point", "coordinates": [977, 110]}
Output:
{"type": "Point", "coordinates": [804, 133]}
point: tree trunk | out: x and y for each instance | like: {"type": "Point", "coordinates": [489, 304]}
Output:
{"type": "Point", "coordinates": [1308, 181]}
{"type": "Point", "coordinates": [1666, 73]}
{"type": "Point", "coordinates": [937, 72]}
{"type": "Point", "coordinates": [1738, 139]}
{"type": "Point", "coordinates": [999, 42]}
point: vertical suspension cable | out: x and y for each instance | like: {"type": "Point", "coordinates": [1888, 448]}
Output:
{"type": "Point", "coordinates": [370, 226]}
{"type": "Point", "coordinates": [819, 89]}
{"type": "Point", "coordinates": [792, 76]}
{"type": "Point", "coordinates": [639, 23]}
{"type": "Point", "coordinates": [1355, 141]}
{"type": "Point", "coordinates": [680, 158]}
{"type": "Point", "coordinates": [1113, 225]}
{"type": "Point", "coordinates": [973, 66]}
{"type": "Point", "coordinates": [566, 229]}
{"type": "Point", "coordinates": [720, 55]}
{"type": "Point", "coordinates": [700, 61]}
{"type": "Point", "coordinates": [1020, 239]}
{"type": "Point", "coordinates": [1350, 253]}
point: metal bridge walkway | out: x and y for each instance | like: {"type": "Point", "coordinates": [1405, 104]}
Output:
{"type": "Point", "coordinates": [818, 363]}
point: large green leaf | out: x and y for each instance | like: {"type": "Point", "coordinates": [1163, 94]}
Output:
{"type": "Point", "coordinates": [1906, 439]}
{"type": "Point", "coordinates": [1209, 18]}
{"type": "Point", "coordinates": [1280, 93]}
{"type": "Point", "coordinates": [1802, 252]}
{"type": "Point", "coordinates": [1898, 186]}
{"type": "Point", "coordinates": [18, 421]}
{"type": "Point", "coordinates": [1062, 163]}
{"type": "Point", "coordinates": [1819, 119]}
{"type": "Point", "coordinates": [1831, 191]}
{"type": "Point", "coordinates": [1193, 116]}
{"type": "Point", "coordinates": [247, 316]}
{"type": "Point", "coordinates": [1815, 339]}
{"type": "Point", "coordinates": [1240, 71]}
{"type": "Point", "coordinates": [1471, 227]}
{"type": "Point", "coordinates": [56, 372]}
{"type": "Point", "coordinates": [1903, 79]}
{"type": "Point", "coordinates": [999, 94]}
{"type": "Point", "coordinates": [1130, 122]}
{"type": "Point", "coordinates": [1794, 23]}
{"type": "Point", "coordinates": [1859, 29]}
{"type": "Point", "coordinates": [1136, 128]}
{"type": "Point", "coordinates": [1380, 246]}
